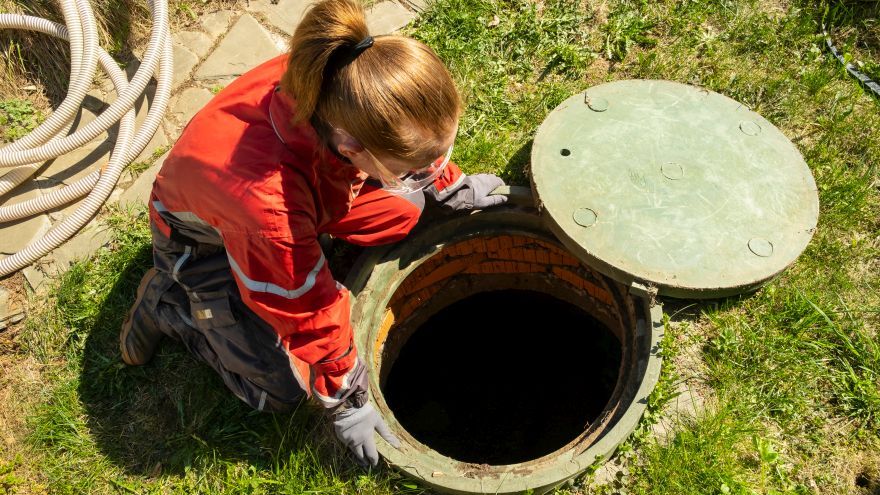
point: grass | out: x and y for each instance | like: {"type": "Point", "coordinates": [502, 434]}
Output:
{"type": "Point", "coordinates": [103, 427]}
{"type": "Point", "coordinates": [856, 38]}
{"type": "Point", "coordinates": [791, 372]}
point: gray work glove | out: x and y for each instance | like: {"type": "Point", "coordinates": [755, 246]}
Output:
{"type": "Point", "coordinates": [474, 193]}
{"type": "Point", "coordinates": [355, 427]}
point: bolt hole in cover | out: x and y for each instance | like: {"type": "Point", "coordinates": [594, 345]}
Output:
{"type": "Point", "coordinates": [694, 193]}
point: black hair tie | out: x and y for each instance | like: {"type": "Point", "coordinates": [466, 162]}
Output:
{"type": "Point", "coordinates": [360, 47]}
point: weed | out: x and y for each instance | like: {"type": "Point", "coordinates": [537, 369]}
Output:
{"type": "Point", "coordinates": [12, 60]}
{"type": "Point", "coordinates": [624, 30]}
{"type": "Point", "coordinates": [870, 69]}
{"type": "Point", "coordinates": [662, 394]}
{"type": "Point", "coordinates": [138, 168]}
{"type": "Point", "coordinates": [8, 479]}
{"type": "Point", "coordinates": [185, 8]}
{"type": "Point", "coordinates": [18, 118]}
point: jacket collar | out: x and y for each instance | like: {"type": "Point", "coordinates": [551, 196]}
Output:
{"type": "Point", "coordinates": [333, 177]}
{"type": "Point", "coordinates": [302, 138]}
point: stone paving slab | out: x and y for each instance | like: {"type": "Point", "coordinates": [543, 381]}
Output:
{"type": "Point", "coordinates": [73, 166]}
{"type": "Point", "coordinates": [138, 193]}
{"type": "Point", "coordinates": [68, 168]}
{"type": "Point", "coordinates": [387, 17]}
{"type": "Point", "coordinates": [282, 14]}
{"type": "Point", "coordinates": [18, 234]}
{"type": "Point", "coordinates": [418, 5]}
{"type": "Point", "coordinates": [77, 164]}
{"type": "Point", "coordinates": [79, 247]}
{"type": "Point", "coordinates": [216, 23]}
{"type": "Point", "coordinates": [688, 403]}
{"type": "Point", "coordinates": [189, 48]}
{"type": "Point", "coordinates": [247, 45]}
{"type": "Point", "coordinates": [196, 42]}
{"type": "Point", "coordinates": [183, 106]}
{"type": "Point", "coordinates": [99, 100]}
{"type": "Point", "coordinates": [159, 140]}
{"type": "Point", "coordinates": [11, 309]}
{"type": "Point", "coordinates": [184, 62]}
{"type": "Point", "coordinates": [92, 106]}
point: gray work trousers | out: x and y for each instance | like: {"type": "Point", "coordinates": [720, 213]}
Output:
{"type": "Point", "coordinates": [194, 300]}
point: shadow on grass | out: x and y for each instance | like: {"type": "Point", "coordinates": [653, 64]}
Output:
{"type": "Point", "coordinates": [174, 413]}
{"type": "Point", "coordinates": [857, 14]}
{"type": "Point", "coordinates": [516, 172]}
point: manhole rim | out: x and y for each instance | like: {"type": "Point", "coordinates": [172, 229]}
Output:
{"type": "Point", "coordinates": [428, 465]}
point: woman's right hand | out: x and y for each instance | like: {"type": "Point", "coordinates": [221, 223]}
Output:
{"type": "Point", "coordinates": [355, 427]}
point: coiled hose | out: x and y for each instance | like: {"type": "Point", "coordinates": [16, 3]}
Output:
{"type": "Point", "coordinates": [51, 138]}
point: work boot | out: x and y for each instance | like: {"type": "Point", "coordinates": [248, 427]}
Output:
{"type": "Point", "coordinates": [140, 333]}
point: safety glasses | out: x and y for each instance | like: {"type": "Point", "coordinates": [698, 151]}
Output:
{"type": "Point", "coordinates": [411, 181]}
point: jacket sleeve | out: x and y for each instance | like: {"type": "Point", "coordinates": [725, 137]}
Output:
{"type": "Point", "coordinates": [448, 185]}
{"type": "Point", "coordinates": [285, 280]}
{"type": "Point", "coordinates": [456, 191]}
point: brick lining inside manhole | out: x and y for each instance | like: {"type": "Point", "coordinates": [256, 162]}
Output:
{"type": "Point", "coordinates": [500, 349]}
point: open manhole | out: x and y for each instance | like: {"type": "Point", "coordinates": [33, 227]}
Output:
{"type": "Point", "coordinates": [482, 407]}
{"type": "Point", "coordinates": [511, 349]}
{"type": "Point", "coordinates": [501, 361]}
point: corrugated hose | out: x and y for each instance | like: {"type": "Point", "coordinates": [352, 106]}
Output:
{"type": "Point", "coordinates": [52, 139]}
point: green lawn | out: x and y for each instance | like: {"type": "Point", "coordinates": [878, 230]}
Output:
{"type": "Point", "coordinates": [790, 375]}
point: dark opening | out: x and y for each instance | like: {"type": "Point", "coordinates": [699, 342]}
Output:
{"type": "Point", "coordinates": [503, 377]}
{"type": "Point", "coordinates": [869, 482]}
{"type": "Point", "coordinates": [565, 152]}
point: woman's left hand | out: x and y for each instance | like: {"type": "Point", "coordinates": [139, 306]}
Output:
{"type": "Point", "coordinates": [476, 193]}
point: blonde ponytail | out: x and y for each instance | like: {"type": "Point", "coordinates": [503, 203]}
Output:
{"type": "Point", "coordinates": [390, 97]}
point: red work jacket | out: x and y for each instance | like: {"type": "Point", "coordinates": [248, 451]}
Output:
{"type": "Point", "coordinates": [269, 187]}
